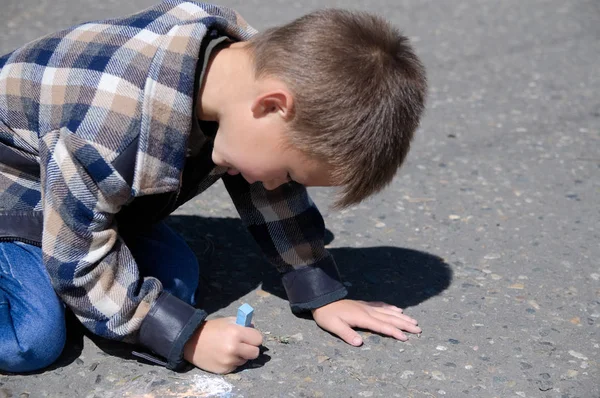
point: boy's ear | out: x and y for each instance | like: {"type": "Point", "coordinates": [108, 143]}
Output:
{"type": "Point", "coordinates": [275, 101]}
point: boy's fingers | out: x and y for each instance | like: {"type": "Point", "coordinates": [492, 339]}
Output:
{"type": "Point", "coordinates": [397, 322]}
{"type": "Point", "coordinates": [229, 366]}
{"type": "Point", "coordinates": [345, 332]}
{"type": "Point", "coordinates": [386, 306]}
{"type": "Point", "coordinates": [402, 317]}
{"type": "Point", "coordinates": [237, 363]}
{"type": "Point", "coordinates": [381, 327]}
{"type": "Point", "coordinates": [252, 336]}
{"type": "Point", "coordinates": [247, 351]}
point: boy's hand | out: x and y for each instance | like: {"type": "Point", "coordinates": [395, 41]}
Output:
{"type": "Point", "coordinates": [220, 346]}
{"type": "Point", "coordinates": [341, 316]}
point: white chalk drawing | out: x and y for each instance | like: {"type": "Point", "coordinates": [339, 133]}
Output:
{"type": "Point", "coordinates": [198, 386]}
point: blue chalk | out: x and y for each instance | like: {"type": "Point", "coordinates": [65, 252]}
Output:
{"type": "Point", "coordinates": [244, 315]}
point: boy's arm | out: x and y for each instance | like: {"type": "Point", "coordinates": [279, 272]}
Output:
{"type": "Point", "coordinates": [290, 230]}
{"type": "Point", "coordinates": [91, 268]}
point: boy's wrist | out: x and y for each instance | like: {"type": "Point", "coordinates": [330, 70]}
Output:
{"type": "Point", "coordinates": [314, 286]}
{"type": "Point", "coordinates": [168, 327]}
{"type": "Point", "coordinates": [190, 347]}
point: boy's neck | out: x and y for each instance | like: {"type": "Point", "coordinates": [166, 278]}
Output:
{"type": "Point", "coordinates": [227, 78]}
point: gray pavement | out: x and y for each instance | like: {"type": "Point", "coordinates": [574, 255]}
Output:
{"type": "Point", "coordinates": [489, 235]}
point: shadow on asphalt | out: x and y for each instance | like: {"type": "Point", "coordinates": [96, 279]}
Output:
{"type": "Point", "coordinates": [402, 277]}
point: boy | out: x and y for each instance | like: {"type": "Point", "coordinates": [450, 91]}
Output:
{"type": "Point", "coordinates": [106, 128]}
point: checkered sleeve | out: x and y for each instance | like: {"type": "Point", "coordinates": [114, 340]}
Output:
{"type": "Point", "coordinates": [104, 107]}
{"type": "Point", "coordinates": [92, 270]}
{"type": "Point", "coordinates": [290, 231]}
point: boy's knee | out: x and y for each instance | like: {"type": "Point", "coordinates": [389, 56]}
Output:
{"type": "Point", "coordinates": [33, 347]}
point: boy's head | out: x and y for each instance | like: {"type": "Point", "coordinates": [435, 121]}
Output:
{"type": "Point", "coordinates": [348, 91]}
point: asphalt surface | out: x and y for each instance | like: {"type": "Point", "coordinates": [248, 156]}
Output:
{"type": "Point", "coordinates": [489, 235]}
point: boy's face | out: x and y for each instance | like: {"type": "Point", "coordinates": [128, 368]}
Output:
{"type": "Point", "coordinates": [255, 147]}
{"type": "Point", "coordinates": [254, 121]}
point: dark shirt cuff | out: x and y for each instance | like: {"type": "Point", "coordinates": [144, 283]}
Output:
{"type": "Point", "coordinates": [169, 325]}
{"type": "Point", "coordinates": [314, 286]}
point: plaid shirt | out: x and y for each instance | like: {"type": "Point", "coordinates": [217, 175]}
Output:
{"type": "Point", "coordinates": [97, 115]}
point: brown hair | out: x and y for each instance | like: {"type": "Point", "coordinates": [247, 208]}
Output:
{"type": "Point", "coordinates": [359, 92]}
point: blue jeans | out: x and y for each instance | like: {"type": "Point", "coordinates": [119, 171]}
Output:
{"type": "Point", "coordinates": [32, 317]}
